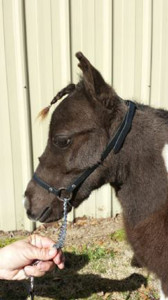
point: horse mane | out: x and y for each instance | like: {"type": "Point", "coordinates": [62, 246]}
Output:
{"type": "Point", "coordinates": [65, 91]}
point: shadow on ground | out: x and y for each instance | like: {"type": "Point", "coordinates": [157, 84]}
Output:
{"type": "Point", "coordinates": [68, 284]}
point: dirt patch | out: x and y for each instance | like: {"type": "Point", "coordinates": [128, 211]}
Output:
{"type": "Point", "coordinates": [84, 230]}
{"type": "Point", "coordinates": [98, 266]}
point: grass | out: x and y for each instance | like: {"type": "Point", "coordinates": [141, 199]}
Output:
{"type": "Point", "coordinates": [119, 235]}
{"type": "Point", "coordinates": [7, 241]}
{"type": "Point", "coordinates": [92, 272]}
{"type": "Point", "coordinates": [93, 252]}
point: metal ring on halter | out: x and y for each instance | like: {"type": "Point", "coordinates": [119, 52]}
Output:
{"type": "Point", "coordinates": [64, 198]}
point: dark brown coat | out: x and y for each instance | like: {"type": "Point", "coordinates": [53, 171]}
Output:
{"type": "Point", "coordinates": [80, 128]}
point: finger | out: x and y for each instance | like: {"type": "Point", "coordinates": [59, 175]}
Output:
{"type": "Point", "coordinates": [20, 275]}
{"type": "Point", "coordinates": [44, 254]}
{"type": "Point", "coordinates": [33, 271]}
{"type": "Point", "coordinates": [61, 265]}
{"type": "Point", "coordinates": [34, 253]}
{"type": "Point", "coordinates": [59, 258]}
{"type": "Point", "coordinates": [41, 241]}
{"type": "Point", "coordinates": [45, 266]}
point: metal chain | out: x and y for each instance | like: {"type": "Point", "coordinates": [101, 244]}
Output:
{"type": "Point", "coordinates": [58, 245]}
{"type": "Point", "coordinates": [63, 229]}
{"type": "Point", "coordinates": [32, 288]}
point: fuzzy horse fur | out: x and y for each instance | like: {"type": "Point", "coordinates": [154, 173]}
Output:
{"type": "Point", "coordinates": [81, 127]}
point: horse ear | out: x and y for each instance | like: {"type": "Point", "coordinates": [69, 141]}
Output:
{"type": "Point", "coordinates": [93, 81]}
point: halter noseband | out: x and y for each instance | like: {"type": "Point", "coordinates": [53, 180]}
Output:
{"type": "Point", "coordinates": [115, 144]}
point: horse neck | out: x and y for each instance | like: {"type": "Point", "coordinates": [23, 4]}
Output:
{"type": "Point", "coordinates": [138, 172]}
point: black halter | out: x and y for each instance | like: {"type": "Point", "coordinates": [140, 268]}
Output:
{"type": "Point", "coordinates": [115, 144]}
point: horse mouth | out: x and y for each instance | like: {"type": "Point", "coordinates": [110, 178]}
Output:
{"type": "Point", "coordinates": [45, 214]}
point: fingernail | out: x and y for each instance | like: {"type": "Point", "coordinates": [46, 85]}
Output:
{"type": "Point", "coordinates": [52, 252]}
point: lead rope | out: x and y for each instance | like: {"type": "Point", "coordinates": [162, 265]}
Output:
{"type": "Point", "coordinates": [58, 245]}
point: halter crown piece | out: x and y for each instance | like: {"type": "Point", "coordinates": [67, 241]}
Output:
{"type": "Point", "coordinates": [114, 145]}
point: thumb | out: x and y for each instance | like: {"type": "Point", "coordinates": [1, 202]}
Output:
{"type": "Point", "coordinates": [45, 254]}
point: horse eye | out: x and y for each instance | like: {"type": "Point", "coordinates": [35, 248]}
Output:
{"type": "Point", "coordinates": [61, 141]}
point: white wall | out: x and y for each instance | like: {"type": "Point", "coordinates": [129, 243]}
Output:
{"type": "Point", "coordinates": [126, 40]}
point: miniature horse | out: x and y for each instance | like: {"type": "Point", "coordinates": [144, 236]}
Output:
{"type": "Point", "coordinates": [81, 127]}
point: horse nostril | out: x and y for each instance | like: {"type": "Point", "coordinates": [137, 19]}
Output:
{"type": "Point", "coordinates": [28, 213]}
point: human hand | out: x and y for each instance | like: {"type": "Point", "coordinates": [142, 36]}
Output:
{"type": "Point", "coordinates": [17, 258]}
